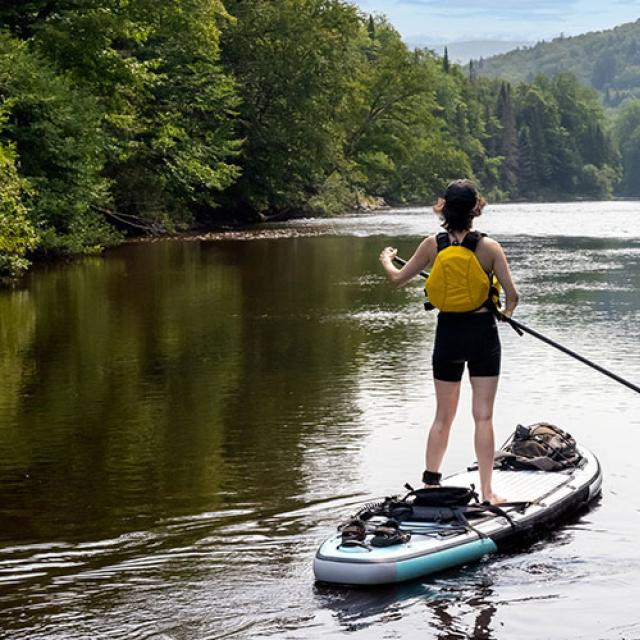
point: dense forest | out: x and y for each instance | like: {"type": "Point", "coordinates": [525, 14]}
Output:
{"type": "Point", "coordinates": [609, 61]}
{"type": "Point", "coordinates": [137, 116]}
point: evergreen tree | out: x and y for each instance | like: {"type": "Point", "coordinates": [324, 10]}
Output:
{"type": "Point", "coordinates": [371, 27]}
{"type": "Point", "coordinates": [627, 129]}
{"type": "Point", "coordinates": [528, 182]}
{"type": "Point", "coordinates": [508, 140]}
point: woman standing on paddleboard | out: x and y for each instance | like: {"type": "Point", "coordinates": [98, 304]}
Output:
{"type": "Point", "coordinates": [460, 286]}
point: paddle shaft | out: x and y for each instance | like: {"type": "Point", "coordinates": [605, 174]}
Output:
{"type": "Point", "coordinates": [520, 328]}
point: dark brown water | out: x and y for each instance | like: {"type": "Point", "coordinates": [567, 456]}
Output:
{"type": "Point", "coordinates": [181, 423]}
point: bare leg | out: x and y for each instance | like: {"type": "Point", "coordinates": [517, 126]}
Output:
{"type": "Point", "coordinates": [447, 395]}
{"type": "Point", "coordinates": [484, 395]}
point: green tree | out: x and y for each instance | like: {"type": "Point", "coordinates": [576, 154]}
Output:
{"type": "Point", "coordinates": [55, 130]}
{"type": "Point", "coordinates": [582, 115]}
{"type": "Point", "coordinates": [598, 182]}
{"type": "Point", "coordinates": [528, 181]}
{"type": "Point", "coordinates": [296, 63]}
{"type": "Point", "coordinates": [398, 139]}
{"type": "Point", "coordinates": [604, 70]}
{"type": "Point", "coordinates": [167, 107]}
{"type": "Point", "coordinates": [507, 146]}
{"type": "Point", "coordinates": [627, 131]}
{"type": "Point", "coordinates": [17, 235]}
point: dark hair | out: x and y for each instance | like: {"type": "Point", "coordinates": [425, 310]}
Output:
{"type": "Point", "coordinates": [460, 204]}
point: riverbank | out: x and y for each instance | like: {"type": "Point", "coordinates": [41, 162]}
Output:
{"type": "Point", "coordinates": [300, 226]}
{"type": "Point", "coordinates": [231, 228]}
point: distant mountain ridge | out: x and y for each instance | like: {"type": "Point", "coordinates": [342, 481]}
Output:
{"type": "Point", "coordinates": [609, 61]}
{"type": "Point", "coordinates": [462, 52]}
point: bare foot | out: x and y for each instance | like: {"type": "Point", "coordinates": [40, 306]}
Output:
{"type": "Point", "coordinates": [492, 498]}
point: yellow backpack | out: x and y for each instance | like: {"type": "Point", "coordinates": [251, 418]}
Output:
{"type": "Point", "coordinates": [457, 281]}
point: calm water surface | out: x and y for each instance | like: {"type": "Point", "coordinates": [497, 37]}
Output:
{"type": "Point", "coordinates": [181, 423]}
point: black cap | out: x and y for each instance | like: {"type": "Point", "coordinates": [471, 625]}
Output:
{"type": "Point", "coordinates": [461, 195]}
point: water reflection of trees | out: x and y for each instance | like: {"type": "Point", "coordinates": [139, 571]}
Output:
{"type": "Point", "coordinates": [174, 377]}
{"type": "Point", "coordinates": [298, 381]}
{"type": "Point", "coordinates": [115, 415]}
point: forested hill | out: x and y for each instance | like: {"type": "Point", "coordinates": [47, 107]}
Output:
{"type": "Point", "coordinates": [121, 117]}
{"type": "Point", "coordinates": [608, 60]}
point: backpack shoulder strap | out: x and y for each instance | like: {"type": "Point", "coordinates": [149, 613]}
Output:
{"type": "Point", "coordinates": [471, 240]}
{"type": "Point", "coordinates": [442, 240]}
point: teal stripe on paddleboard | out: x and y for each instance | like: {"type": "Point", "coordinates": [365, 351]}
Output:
{"type": "Point", "coordinates": [416, 567]}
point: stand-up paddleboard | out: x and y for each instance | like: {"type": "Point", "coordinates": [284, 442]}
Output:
{"type": "Point", "coordinates": [538, 500]}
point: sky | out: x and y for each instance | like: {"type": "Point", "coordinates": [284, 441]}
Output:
{"type": "Point", "coordinates": [443, 21]}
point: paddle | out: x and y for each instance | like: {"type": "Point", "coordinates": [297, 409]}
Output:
{"type": "Point", "coordinates": [521, 328]}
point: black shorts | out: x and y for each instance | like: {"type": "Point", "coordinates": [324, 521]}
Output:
{"type": "Point", "coordinates": [466, 337]}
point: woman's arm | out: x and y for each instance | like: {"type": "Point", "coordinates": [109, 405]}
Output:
{"type": "Point", "coordinates": [423, 257]}
{"type": "Point", "coordinates": [503, 273]}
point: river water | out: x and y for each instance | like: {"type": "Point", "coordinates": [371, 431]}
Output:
{"type": "Point", "coordinates": [183, 422]}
